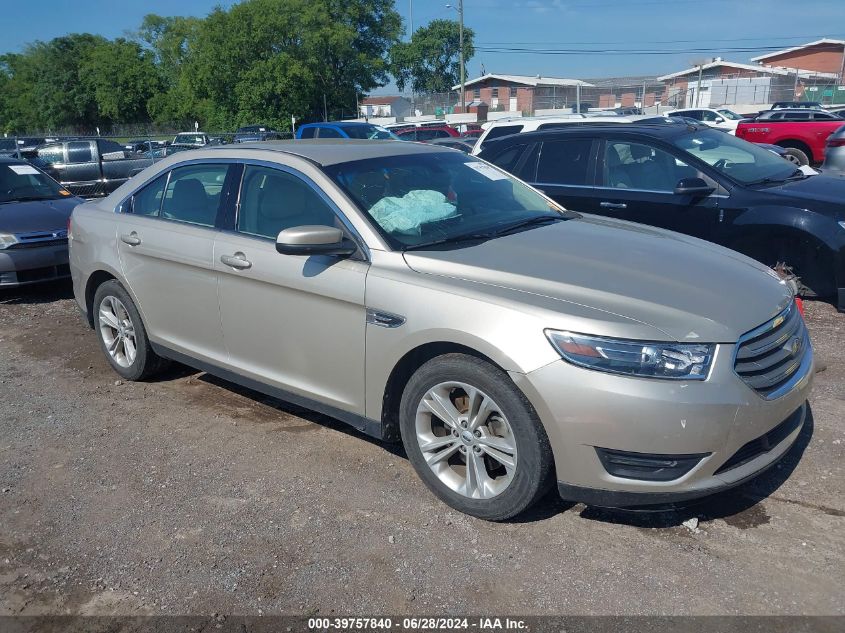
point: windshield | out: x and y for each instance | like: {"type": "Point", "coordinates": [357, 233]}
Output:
{"type": "Point", "coordinates": [730, 115]}
{"type": "Point", "coordinates": [367, 132]}
{"type": "Point", "coordinates": [425, 198]}
{"type": "Point", "coordinates": [740, 160]}
{"type": "Point", "coordinates": [21, 181]}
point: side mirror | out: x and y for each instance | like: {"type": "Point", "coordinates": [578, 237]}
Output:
{"type": "Point", "coordinates": [314, 240]}
{"type": "Point", "coordinates": [693, 187]}
{"type": "Point", "coordinates": [719, 120]}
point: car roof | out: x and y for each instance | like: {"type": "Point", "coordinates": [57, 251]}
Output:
{"type": "Point", "coordinates": [337, 123]}
{"type": "Point", "coordinates": [667, 131]}
{"type": "Point", "coordinates": [334, 151]}
{"type": "Point", "coordinates": [12, 160]}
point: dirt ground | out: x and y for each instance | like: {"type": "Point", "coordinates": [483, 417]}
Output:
{"type": "Point", "coordinates": [188, 495]}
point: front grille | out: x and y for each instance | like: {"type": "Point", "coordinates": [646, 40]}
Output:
{"type": "Point", "coordinates": [764, 443]}
{"type": "Point", "coordinates": [768, 357]}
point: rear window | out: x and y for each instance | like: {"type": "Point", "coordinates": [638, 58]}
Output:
{"type": "Point", "coordinates": [564, 162]}
{"type": "Point", "coordinates": [503, 130]}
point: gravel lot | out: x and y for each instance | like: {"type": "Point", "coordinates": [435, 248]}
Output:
{"type": "Point", "coordinates": [191, 496]}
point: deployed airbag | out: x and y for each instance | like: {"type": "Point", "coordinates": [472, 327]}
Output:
{"type": "Point", "coordinates": [408, 213]}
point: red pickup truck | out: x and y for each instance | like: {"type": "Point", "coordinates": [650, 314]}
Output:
{"type": "Point", "coordinates": [803, 141]}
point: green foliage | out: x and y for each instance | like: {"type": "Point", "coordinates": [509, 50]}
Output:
{"type": "Point", "coordinates": [430, 62]}
{"type": "Point", "coordinates": [259, 61]}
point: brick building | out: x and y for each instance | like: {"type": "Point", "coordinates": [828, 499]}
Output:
{"type": "Point", "coordinates": [521, 93]}
{"type": "Point", "coordinates": [822, 56]}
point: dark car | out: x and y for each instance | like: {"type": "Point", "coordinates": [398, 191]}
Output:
{"type": "Point", "coordinates": [788, 105]}
{"type": "Point", "coordinates": [91, 167]}
{"type": "Point", "coordinates": [250, 133]}
{"type": "Point", "coordinates": [34, 210]}
{"type": "Point", "coordinates": [693, 180]}
{"type": "Point", "coordinates": [461, 144]}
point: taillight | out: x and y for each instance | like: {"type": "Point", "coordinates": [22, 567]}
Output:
{"type": "Point", "coordinates": [836, 142]}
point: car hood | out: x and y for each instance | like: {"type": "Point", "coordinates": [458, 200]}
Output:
{"type": "Point", "coordinates": [821, 188]}
{"type": "Point", "coordinates": [687, 288]}
{"type": "Point", "coordinates": [36, 215]}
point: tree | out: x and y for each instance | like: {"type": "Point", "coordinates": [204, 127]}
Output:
{"type": "Point", "coordinates": [122, 78]}
{"type": "Point", "coordinates": [430, 62]}
{"type": "Point", "coordinates": [269, 59]}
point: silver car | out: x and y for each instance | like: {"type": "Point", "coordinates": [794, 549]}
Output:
{"type": "Point", "coordinates": [423, 295]}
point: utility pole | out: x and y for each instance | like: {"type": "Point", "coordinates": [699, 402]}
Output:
{"type": "Point", "coordinates": [461, 40]}
{"type": "Point", "coordinates": [698, 90]}
{"type": "Point", "coordinates": [411, 39]}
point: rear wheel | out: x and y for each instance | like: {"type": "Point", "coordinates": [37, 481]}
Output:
{"type": "Point", "coordinates": [121, 333]}
{"type": "Point", "coordinates": [473, 437]}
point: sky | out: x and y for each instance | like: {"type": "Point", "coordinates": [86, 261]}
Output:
{"type": "Point", "coordinates": [674, 33]}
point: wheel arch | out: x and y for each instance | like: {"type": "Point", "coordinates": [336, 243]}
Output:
{"type": "Point", "coordinates": [795, 143]}
{"type": "Point", "coordinates": [97, 278]}
{"type": "Point", "coordinates": [405, 367]}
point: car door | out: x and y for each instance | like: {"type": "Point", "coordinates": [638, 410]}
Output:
{"type": "Point", "coordinates": [166, 246]}
{"type": "Point", "coordinates": [292, 321]}
{"type": "Point", "coordinates": [636, 181]}
{"type": "Point", "coordinates": [564, 171]}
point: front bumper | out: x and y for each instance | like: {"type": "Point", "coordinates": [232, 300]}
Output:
{"type": "Point", "coordinates": [24, 266]}
{"type": "Point", "coordinates": [583, 410]}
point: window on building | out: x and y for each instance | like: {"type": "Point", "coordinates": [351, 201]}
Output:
{"type": "Point", "coordinates": [513, 92]}
{"type": "Point", "coordinates": [476, 93]}
{"type": "Point", "coordinates": [494, 93]}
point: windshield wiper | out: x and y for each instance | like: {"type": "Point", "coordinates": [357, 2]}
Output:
{"type": "Point", "coordinates": [796, 175]}
{"type": "Point", "coordinates": [486, 235]}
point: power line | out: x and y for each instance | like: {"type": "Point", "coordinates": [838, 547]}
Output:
{"type": "Point", "coordinates": [709, 39]}
{"type": "Point", "coordinates": [620, 51]}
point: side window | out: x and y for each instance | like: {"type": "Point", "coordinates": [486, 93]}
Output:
{"type": "Point", "coordinates": [508, 158]}
{"type": "Point", "coordinates": [428, 135]}
{"type": "Point", "coordinates": [308, 132]}
{"type": "Point", "coordinates": [708, 116]}
{"type": "Point", "coordinates": [273, 200]}
{"type": "Point", "coordinates": [327, 132]}
{"type": "Point", "coordinates": [407, 135]}
{"type": "Point", "coordinates": [193, 194]}
{"type": "Point", "coordinates": [52, 154]}
{"type": "Point", "coordinates": [148, 200]}
{"type": "Point", "coordinates": [79, 152]}
{"type": "Point", "coordinates": [564, 162]}
{"type": "Point", "coordinates": [638, 166]}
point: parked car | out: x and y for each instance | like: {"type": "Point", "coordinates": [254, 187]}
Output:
{"type": "Point", "coordinates": [461, 144]}
{"type": "Point", "coordinates": [790, 105]}
{"type": "Point", "coordinates": [344, 129]}
{"type": "Point", "coordinates": [628, 111]}
{"type": "Point", "coordinates": [426, 133]}
{"type": "Point", "coordinates": [250, 133]}
{"type": "Point", "coordinates": [701, 182]}
{"type": "Point", "coordinates": [506, 127]}
{"type": "Point", "coordinates": [142, 146]}
{"type": "Point", "coordinates": [9, 147]}
{"type": "Point", "coordinates": [834, 153]}
{"type": "Point", "coordinates": [34, 212]}
{"type": "Point", "coordinates": [474, 133]}
{"type": "Point", "coordinates": [804, 139]}
{"type": "Point", "coordinates": [92, 167]}
{"type": "Point", "coordinates": [721, 118]}
{"type": "Point", "coordinates": [838, 110]}
{"type": "Point", "coordinates": [27, 145]}
{"type": "Point", "coordinates": [420, 294]}
{"type": "Point", "coordinates": [195, 139]}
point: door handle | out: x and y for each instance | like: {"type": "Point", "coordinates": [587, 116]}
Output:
{"type": "Point", "coordinates": [132, 239]}
{"type": "Point", "coordinates": [613, 205]}
{"type": "Point", "coordinates": [238, 260]}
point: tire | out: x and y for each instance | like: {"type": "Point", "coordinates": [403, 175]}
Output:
{"type": "Point", "coordinates": [119, 329]}
{"type": "Point", "coordinates": [796, 156]}
{"type": "Point", "coordinates": [508, 430]}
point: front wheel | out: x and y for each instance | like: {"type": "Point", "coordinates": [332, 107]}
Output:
{"type": "Point", "coordinates": [473, 437]}
{"type": "Point", "coordinates": [796, 156]}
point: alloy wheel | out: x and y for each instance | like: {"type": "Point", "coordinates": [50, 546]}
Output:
{"type": "Point", "coordinates": [118, 331]}
{"type": "Point", "coordinates": [466, 440]}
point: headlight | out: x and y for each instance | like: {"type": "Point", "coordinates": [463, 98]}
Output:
{"type": "Point", "coordinates": [6, 240]}
{"type": "Point", "coordinates": [679, 361]}
{"type": "Point", "coordinates": [842, 224]}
